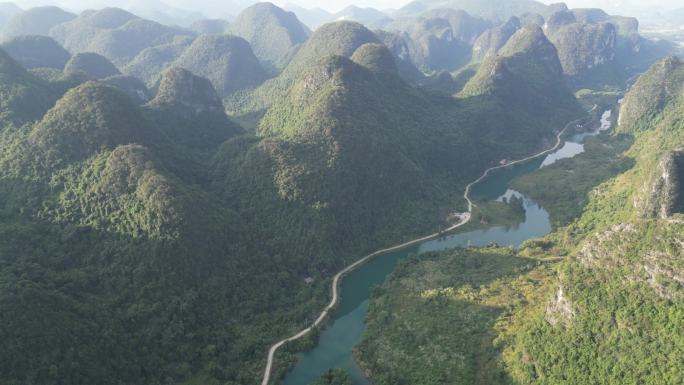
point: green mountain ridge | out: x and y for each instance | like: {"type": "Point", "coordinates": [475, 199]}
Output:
{"type": "Point", "coordinates": [227, 61]}
{"type": "Point", "coordinates": [150, 62]}
{"type": "Point", "coordinates": [273, 33]}
{"type": "Point", "coordinates": [188, 244]}
{"type": "Point", "coordinates": [37, 52]}
{"type": "Point", "coordinates": [441, 39]}
{"type": "Point", "coordinates": [93, 65]}
{"type": "Point", "coordinates": [23, 96]}
{"type": "Point", "coordinates": [339, 38]}
{"type": "Point", "coordinates": [35, 21]}
{"type": "Point", "coordinates": [598, 301]}
{"type": "Point", "coordinates": [190, 110]}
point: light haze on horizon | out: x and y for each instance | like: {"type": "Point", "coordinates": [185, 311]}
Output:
{"type": "Point", "coordinates": [221, 8]}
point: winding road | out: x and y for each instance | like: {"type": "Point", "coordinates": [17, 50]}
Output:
{"type": "Point", "coordinates": [338, 277]}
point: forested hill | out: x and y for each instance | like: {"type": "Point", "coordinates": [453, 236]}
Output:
{"type": "Point", "coordinates": [182, 241]}
{"type": "Point", "coordinates": [174, 199]}
{"type": "Point", "coordinates": [598, 301]}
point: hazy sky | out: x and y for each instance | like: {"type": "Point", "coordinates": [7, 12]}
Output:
{"type": "Point", "coordinates": [628, 7]}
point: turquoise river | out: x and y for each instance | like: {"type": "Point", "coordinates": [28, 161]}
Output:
{"type": "Point", "coordinates": [334, 348]}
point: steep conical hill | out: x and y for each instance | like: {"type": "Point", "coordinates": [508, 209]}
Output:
{"type": "Point", "coordinates": [127, 191]}
{"type": "Point", "coordinates": [524, 83]}
{"type": "Point", "coordinates": [23, 96]}
{"type": "Point", "coordinates": [94, 65]}
{"type": "Point", "coordinates": [123, 43]}
{"type": "Point", "coordinates": [664, 191]}
{"type": "Point", "coordinates": [585, 47]}
{"type": "Point", "coordinates": [339, 38]}
{"type": "Point", "coordinates": [376, 57]}
{"type": "Point", "coordinates": [131, 86]}
{"type": "Point", "coordinates": [76, 35]}
{"type": "Point", "coordinates": [35, 21]}
{"type": "Point", "coordinates": [493, 39]}
{"type": "Point", "coordinates": [272, 32]}
{"type": "Point", "coordinates": [36, 52]}
{"type": "Point", "coordinates": [661, 86]}
{"type": "Point", "coordinates": [188, 109]}
{"type": "Point", "coordinates": [151, 62]}
{"type": "Point", "coordinates": [86, 120]}
{"type": "Point", "coordinates": [227, 61]}
{"type": "Point", "coordinates": [441, 39]}
{"type": "Point", "coordinates": [530, 58]}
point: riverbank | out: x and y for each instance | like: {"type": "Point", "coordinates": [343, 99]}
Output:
{"type": "Point", "coordinates": [464, 220]}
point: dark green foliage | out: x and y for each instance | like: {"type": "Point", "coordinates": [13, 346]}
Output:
{"type": "Point", "coordinates": [339, 38]}
{"type": "Point", "coordinates": [656, 90]}
{"type": "Point", "coordinates": [190, 111]}
{"type": "Point", "coordinates": [23, 97]}
{"type": "Point", "coordinates": [435, 320]}
{"type": "Point", "coordinates": [131, 86]}
{"type": "Point", "coordinates": [151, 62]}
{"type": "Point", "coordinates": [35, 21]}
{"type": "Point", "coordinates": [93, 65]}
{"type": "Point", "coordinates": [227, 61]}
{"type": "Point", "coordinates": [493, 39]}
{"type": "Point", "coordinates": [334, 377]}
{"type": "Point", "coordinates": [375, 57]}
{"type": "Point", "coordinates": [526, 78]}
{"type": "Point", "coordinates": [398, 45]}
{"type": "Point", "coordinates": [36, 52]}
{"type": "Point", "coordinates": [139, 247]}
{"type": "Point", "coordinates": [608, 313]}
{"type": "Point", "coordinates": [272, 32]}
{"type": "Point", "coordinates": [88, 119]}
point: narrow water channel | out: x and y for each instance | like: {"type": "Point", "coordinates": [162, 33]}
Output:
{"type": "Point", "coordinates": [334, 349]}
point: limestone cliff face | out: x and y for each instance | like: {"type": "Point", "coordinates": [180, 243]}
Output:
{"type": "Point", "coordinates": [663, 196]}
{"type": "Point", "coordinates": [660, 86]}
{"type": "Point", "coordinates": [493, 39]}
{"type": "Point", "coordinates": [583, 47]}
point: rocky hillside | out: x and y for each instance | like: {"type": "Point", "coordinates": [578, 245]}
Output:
{"type": "Point", "coordinates": [441, 39]}
{"type": "Point", "coordinates": [656, 90]}
{"type": "Point", "coordinates": [493, 39]}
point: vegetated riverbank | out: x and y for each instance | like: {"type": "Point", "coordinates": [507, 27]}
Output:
{"type": "Point", "coordinates": [597, 301]}
{"type": "Point", "coordinates": [466, 217]}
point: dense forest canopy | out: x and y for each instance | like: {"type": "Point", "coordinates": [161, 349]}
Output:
{"type": "Point", "coordinates": [175, 197]}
